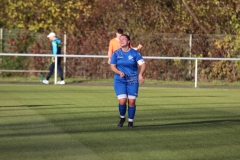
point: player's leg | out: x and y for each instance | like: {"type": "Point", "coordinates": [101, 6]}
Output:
{"type": "Point", "coordinates": [120, 90]}
{"type": "Point", "coordinates": [60, 71]}
{"type": "Point", "coordinates": [122, 110]}
{"type": "Point", "coordinates": [132, 95]}
{"type": "Point", "coordinates": [51, 69]}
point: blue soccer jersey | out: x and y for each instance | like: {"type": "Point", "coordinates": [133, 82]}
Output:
{"type": "Point", "coordinates": [127, 62]}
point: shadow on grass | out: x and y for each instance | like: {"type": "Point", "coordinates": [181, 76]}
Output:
{"type": "Point", "coordinates": [179, 96]}
{"type": "Point", "coordinates": [34, 105]}
{"type": "Point", "coordinates": [190, 123]}
{"type": "Point", "coordinates": [75, 128]}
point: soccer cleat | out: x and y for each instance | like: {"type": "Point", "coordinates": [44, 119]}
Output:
{"type": "Point", "coordinates": [122, 120]}
{"type": "Point", "coordinates": [45, 81]}
{"type": "Point", "coordinates": [130, 124]}
{"type": "Point", "coordinates": [61, 82]}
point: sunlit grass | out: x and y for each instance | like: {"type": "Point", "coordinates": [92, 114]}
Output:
{"type": "Point", "coordinates": [80, 122]}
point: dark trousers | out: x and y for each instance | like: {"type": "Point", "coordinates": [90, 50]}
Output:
{"type": "Point", "coordinates": [51, 69]}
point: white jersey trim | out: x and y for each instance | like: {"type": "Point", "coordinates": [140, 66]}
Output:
{"type": "Point", "coordinates": [122, 96]}
{"type": "Point", "coordinates": [132, 97]}
{"type": "Point", "coordinates": [140, 62]}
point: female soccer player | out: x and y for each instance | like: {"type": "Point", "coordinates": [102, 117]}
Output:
{"type": "Point", "coordinates": [124, 64]}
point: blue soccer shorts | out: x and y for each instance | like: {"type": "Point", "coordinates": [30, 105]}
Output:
{"type": "Point", "coordinates": [125, 89]}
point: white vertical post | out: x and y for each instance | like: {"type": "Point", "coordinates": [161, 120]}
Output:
{"type": "Point", "coordinates": [196, 69]}
{"type": "Point", "coordinates": [1, 39]}
{"type": "Point", "coordinates": [190, 55]}
{"type": "Point", "coordinates": [55, 69]}
{"type": "Point", "coordinates": [64, 52]}
{"type": "Point", "coordinates": [190, 45]}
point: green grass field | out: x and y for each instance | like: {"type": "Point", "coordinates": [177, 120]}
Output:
{"type": "Point", "coordinates": [79, 122]}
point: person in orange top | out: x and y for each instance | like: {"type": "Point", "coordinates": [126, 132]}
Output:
{"type": "Point", "coordinates": [114, 44]}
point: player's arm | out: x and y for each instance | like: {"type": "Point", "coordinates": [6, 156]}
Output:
{"type": "Point", "coordinates": [115, 70]}
{"type": "Point", "coordinates": [54, 50]}
{"type": "Point", "coordinates": [110, 51]}
{"type": "Point", "coordinates": [143, 67]}
{"type": "Point", "coordinates": [109, 56]}
{"type": "Point", "coordinates": [138, 47]}
{"type": "Point", "coordinates": [113, 66]}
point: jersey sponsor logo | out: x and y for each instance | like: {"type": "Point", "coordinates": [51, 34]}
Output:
{"type": "Point", "coordinates": [119, 57]}
{"type": "Point", "coordinates": [119, 54]}
{"type": "Point", "coordinates": [130, 57]}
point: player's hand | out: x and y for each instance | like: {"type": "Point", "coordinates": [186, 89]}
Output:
{"type": "Point", "coordinates": [141, 79]}
{"type": "Point", "coordinates": [122, 74]}
{"type": "Point", "coordinates": [139, 46]}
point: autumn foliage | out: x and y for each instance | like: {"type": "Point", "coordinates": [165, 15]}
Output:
{"type": "Point", "coordinates": [90, 24]}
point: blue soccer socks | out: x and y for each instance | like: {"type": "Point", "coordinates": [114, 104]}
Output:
{"type": "Point", "coordinates": [131, 113]}
{"type": "Point", "coordinates": [122, 110]}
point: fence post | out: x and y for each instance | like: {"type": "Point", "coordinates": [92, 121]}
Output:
{"type": "Point", "coordinates": [55, 69]}
{"type": "Point", "coordinates": [190, 45]}
{"type": "Point", "coordinates": [1, 44]}
{"type": "Point", "coordinates": [196, 69]}
{"type": "Point", "coordinates": [64, 52]}
{"type": "Point", "coordinates": [1, 38]}
{"type": "Point", "coordinates": [190, 55]}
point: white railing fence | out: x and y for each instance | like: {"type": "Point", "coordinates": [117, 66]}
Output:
{"type": "Point", "coordinates": [196, 59]}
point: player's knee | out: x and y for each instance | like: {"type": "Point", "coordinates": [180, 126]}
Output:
{"type": "Point", "coordinates": [131, 102]}
{"type": "Point", "coordinates": [122, 101]}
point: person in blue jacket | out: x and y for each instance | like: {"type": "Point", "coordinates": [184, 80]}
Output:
{"type": "Point", "coordinates": [124, 63]}
{"type": "Point", "coordinates": [56, 49]}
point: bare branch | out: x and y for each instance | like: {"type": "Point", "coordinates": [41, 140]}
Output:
{"type": "Point", "coordinates": [194, 17]}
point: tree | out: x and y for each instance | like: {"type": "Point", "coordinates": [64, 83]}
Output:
{"type": "Point", "coordinates": [46, 14]}
{"type": "Point", "coordinates": [3, 18]}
